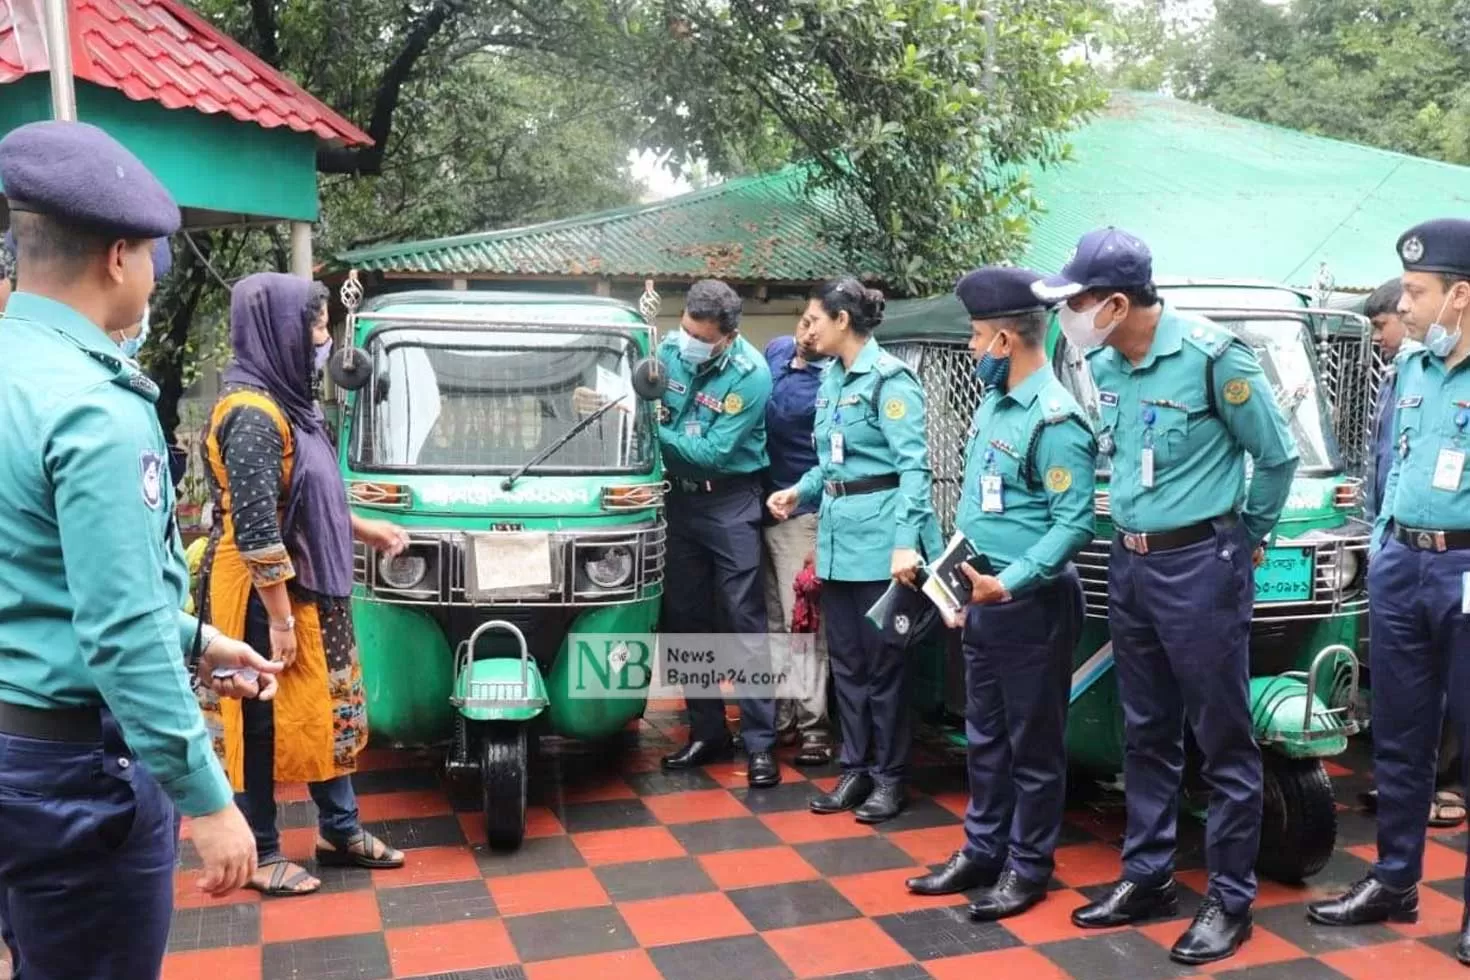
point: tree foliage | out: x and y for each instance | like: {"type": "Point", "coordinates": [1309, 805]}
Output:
{"type": "Point", "coordinates": [915, 112]}
{"type": "Point", "coordinates": [1388, 73]}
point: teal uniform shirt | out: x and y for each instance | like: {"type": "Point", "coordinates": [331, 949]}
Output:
{"type": "Point", "coordinates": [1426, 487]}
{"type": "Point", "coordinates": [95, 582]}
{"type": "Point", "coordinates": [1198, 452]}
{"type": "Point", "coordinates": [1036, 440]}
{"type": "Point", "coordinates": [857, 535]}
{"type": "Point", "coordinates": [712, 419]}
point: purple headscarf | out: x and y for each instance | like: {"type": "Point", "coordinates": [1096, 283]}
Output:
{"type": "Point", "coordinates": [270, 332]}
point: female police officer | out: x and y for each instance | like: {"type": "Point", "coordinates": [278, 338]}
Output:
{"type": "Point", "coordinates": [873, 480]}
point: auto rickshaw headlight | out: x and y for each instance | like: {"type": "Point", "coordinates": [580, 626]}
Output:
{"type": "Point", "coordinates": [610, 567]}
{"type": "Point", "coordinates": [403, 572]}
{"type": "Point", "coordinates": [1342, 573]}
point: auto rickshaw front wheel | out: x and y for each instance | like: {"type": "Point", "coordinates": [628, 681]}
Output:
{"type": "Point", "coordinates": [505, 773]}
{"type": "Point", "coordinates": [1298, 818]}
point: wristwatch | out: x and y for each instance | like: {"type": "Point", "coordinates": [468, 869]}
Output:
{"type": "Point", "coordinates": [288, 627]}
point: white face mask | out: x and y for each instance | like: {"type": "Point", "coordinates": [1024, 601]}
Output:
{"type": "Point", "coordinates": [1438, 338]}
{"type": "Point", "coordinates": [1080, 326]}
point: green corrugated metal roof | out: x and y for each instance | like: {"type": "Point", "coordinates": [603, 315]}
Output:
{"type": "Point", "coordinates": [765, 228]}
{"type": "Point", "coordinates": [1213, 195]}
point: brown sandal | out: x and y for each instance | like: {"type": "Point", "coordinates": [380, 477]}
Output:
{"type": "Point", "coordinates": [1446, 800]}
{"type": "Point", "coordinates": [359, 852]}
{"type": "Point", "coordinates": [278, 884]}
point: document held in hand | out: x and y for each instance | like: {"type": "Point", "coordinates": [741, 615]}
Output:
{"type": "Point", "coordinates": [947, 586]}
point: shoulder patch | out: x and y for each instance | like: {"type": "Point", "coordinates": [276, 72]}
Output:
{"type": "Point", "coordinates": [150, 466]}
{"type": "Point", "coordinates": [1059, 479]}
{"type": "Point", "coordinates": [733, 403]}
{"type": "Point", "coordinates": [1237, 391]}
{"type": "Point", "coordinates": [895, 408]}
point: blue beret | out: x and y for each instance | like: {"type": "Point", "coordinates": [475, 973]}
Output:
{"type": "Point", "coordinates": [1106, 258]}
{"type": "Point", "coordinates": [75, 172]}
{"type": "Point", "coordinates": [1442, 245]}
{"type": "Point", "coordinates": [998, 291]}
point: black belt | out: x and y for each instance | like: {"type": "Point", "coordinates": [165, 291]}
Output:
{"type": "Point", "coordinates": [852, 488]}
{"type": "Point", "coordinates": [682, 485]}
{"type": "Point", "coordinates": [1141, 543]}
{"type": "Point", "coordinates": [51, 724]}
{"type": "Point", "coordinates": [1422, 540]}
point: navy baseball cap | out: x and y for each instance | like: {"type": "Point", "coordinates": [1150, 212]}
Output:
{"type": "Point", "coordinates": [998, 291]}
{"type": "Point", "coordinates": [1107, 258]}
{"type": "Point", "coordinates": [1441, 245]}
{"type": "Point", "coordinates": [76, 172]}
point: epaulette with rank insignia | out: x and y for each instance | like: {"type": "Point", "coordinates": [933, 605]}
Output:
{"type": "Point", "coordinates": [742, 363]}
{"type": "Point", "coordinates": [1210, 340]}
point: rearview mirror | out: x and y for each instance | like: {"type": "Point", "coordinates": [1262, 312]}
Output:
{"type": "Point", "coordinates": [650, 379]}
{"type": "Point", "coordinates": [350, 369]}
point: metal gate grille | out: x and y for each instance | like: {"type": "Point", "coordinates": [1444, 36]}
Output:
{"type": "Point", "coordinates": [951, 396]}
{"type": "Point", "coordinates": [1352, 372]}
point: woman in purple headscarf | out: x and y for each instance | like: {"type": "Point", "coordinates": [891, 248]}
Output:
{"type": "Point", "coordinates": [278, 574]}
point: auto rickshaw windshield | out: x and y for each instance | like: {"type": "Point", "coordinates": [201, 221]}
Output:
{"type": "Point", "coordinates": [490, 400]}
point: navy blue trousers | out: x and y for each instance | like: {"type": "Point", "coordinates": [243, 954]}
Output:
{"type": "Point", "coordinates": [1419, 654]}
{"type": "Point", "coordinates": [87, 860]}
{"type": "Point", "coordinates": [713, 583]}
{"type": "Point", "coordinates": [869, 674]}
{"type": "Point", "coordinates": [1180, 625]}
{"type": "Point", "coordinates": [1018, 672]}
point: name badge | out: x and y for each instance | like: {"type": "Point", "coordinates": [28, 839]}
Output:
{"type": "Point", "coordinates": [676, 387]}
{"type": "Point", "coordinates": [1107, 398]}
{"type": "Point", "coordinates": [1448, 469]}
{"type": "Point", "coordinates": [992, 500]}
{"type": "Point", "coordinates": [693, 429]}
{"type": "Point", "coordinates": [1465, 593]}
{"type": "Point", "coordinates": [839, 448]}
{"type": "Point", "coordinates": [1411, 401]}
{"type": "Point", "coordinates": [1146, 477]}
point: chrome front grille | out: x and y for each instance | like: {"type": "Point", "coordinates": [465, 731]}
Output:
{"type": "Point", "coordinates": [1327, 600]}
{"type": "Point", "coordinates": [445, 582]}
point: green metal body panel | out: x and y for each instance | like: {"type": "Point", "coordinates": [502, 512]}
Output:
{"type": "Point", "coordinates": [409, 696]}
{"type": "Point", "coordinates": [207, 162]}
{"type": "Point", "coordinates": [501, 673]}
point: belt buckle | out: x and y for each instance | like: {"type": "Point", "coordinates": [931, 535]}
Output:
{"type": "Point", "coordinates": [1430, 541]}
{"type": "Point", "coordinates": [834, 489]}
{"type": "Point", "coordinates": [1136, 543]}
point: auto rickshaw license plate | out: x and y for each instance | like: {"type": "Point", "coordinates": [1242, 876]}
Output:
{"type": "Point", "coordinates": [1286, 575]}
{"type": "Point", "coordinates": [508, 565]}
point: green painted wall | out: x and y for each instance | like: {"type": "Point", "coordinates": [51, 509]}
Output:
{"type": "Point", "coordinates": [211, 162]}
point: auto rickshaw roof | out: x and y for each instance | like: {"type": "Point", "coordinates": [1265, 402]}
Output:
{"type": "Point", "coordinates": [944, 317]}
{"type": "Point", "coordinates": [504, 306]}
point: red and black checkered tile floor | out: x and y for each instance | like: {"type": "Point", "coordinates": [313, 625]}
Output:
{"type": "Point", "coordinates": [632, 873]}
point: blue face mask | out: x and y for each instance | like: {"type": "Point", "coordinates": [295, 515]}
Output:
{"type": "Point", "coordinates": [131, 348]}
{"type": "Point", "coordinates": [693, 351]}
{"type": "Point", "coordinates": [992, 371]}
{"type": "Point", "coordinates": [322, 352]}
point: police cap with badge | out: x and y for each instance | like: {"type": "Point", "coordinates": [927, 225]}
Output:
{"type": "Point", "coordinates": [997, 292]}
{"type": "Point", "coordinates": [1441, 245]}
{"type": "Point", "coordinates": [78, 174]}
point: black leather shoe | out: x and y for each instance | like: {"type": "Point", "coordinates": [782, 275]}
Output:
{"type": "Point", "coordinates": [885, 802]}
{"type": "Point", "coordinates": [1462, 949]}
{"type": "Point", "coordinates": [851, 790]}
{"type": "Point", "coordinates": [816, 750]}
{"type": "Point", "coordinates": [763, 770]}
{"type": "Point", "coordinates": [1127, 903]}
{"type": "Point", "coordinates": [1011, 895]}
{"type": "Point", "coordinates": [698, 753]}
{"type": "Point", "coordinates": [960, 874]}
{"type": "Point", "coordinates": [1368, 901]}
{"type": "Point", "coordinates": [1214, 934]}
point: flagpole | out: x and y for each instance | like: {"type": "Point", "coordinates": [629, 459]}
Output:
{"type": "Point", "coordinates": [58, 54]}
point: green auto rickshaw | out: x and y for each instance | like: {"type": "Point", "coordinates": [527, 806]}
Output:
{"type": "Point", "coordinates": [512, 435]}
{"type": "Point", "coordinates": [1309, 630]}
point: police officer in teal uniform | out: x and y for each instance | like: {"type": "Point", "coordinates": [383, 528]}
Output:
{"type": "Point", "coordinates": [1419, 576]}
{"type": "Point", "coordinates": [875, 524]}
{"type": "Point", "coordinates": [712, 431]}
{"type": "Point", "coordinates": [1181, 402]}
{"type": "Point", "coordinates": [100, 734]}
{"type": "Point", "coordinates": [1026, 505]}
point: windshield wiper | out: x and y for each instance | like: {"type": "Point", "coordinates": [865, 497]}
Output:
{"type": "Point", "coordinates": [567, 437]}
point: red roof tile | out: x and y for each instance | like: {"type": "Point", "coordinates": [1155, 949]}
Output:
{"type": "Point", "coordinates": [161, 51]}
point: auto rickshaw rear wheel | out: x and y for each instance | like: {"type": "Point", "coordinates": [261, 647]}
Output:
{"type": "Point", "coordinates": [505, 773]}
{"type": "Point", "coordinates": [1298, 818]}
